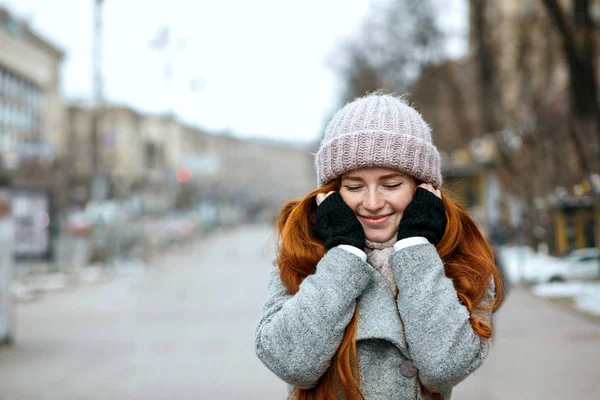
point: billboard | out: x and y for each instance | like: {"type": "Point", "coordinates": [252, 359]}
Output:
{"type": "Point", "coordinates": [31, 212]}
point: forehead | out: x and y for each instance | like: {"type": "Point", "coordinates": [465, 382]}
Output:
{"type": "Point", "coordinates": [374, 173]}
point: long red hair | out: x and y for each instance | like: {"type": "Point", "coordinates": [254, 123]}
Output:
{"type": "Point", "coordinates": [468, 261]}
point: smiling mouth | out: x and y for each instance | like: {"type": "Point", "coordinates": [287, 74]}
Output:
{"type": "Point", "coordinates": [375, 220]}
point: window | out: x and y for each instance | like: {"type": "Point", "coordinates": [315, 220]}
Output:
{"type": "Point", "coordinates": [20, 108]}
{"type": "Point", "coordinates": [151, 153]}
{"type": "Point", "coordinates": [587, 259]}
{"type": "Point", "coordinates": [589, 231]}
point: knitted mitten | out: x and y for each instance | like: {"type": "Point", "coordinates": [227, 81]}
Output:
{"type": "Point", "coordinates": [337, 224]}
{"type": "Point", "coordinates": [425, 216]}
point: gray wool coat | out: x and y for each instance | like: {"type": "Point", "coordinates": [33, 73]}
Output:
{"type": "Point", "coordinates": [422, 336]}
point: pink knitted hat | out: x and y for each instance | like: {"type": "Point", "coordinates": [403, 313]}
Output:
{"type": "Point", "coordinates": [378, 131]}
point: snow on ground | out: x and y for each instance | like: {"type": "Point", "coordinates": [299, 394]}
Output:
{"type": "Point", "coordinates": [586, 295]}
{"type": "Point", "coordinates": [535, 267]}
{"type": "Point", "coordinates": [560, 289]}
{"type": "Point", "coordinates": [589, 300]}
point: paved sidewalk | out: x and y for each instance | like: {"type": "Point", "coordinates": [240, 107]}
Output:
{"type": "Point", "coordinates": [542, 350]}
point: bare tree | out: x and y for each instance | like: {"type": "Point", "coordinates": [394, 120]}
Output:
{"type": "Point", "coordinates": [360, 75]}
{"type": "Point", "coordinates": [579, 48]}
{"type": "Point", "coordinates": [547, 134]}
{"type": "Point", "coordinates": [578, 33]}
{"type": "Point", "coordinates": [513, 129]}
{"type": "Point", "coordinates": [393, 46]}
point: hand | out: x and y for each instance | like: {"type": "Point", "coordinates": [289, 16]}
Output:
{"type": "Point", "coordinates": [336, 222]}
{"type": "Point", "coordinates": [430, 188]}
{"type": "Point", "coordinates": [323, 196]}
{"type": "Point", "coordinates": [425, 216]}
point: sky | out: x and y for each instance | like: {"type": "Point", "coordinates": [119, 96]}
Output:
{"type": "Point", "coordinates": [260, 68]}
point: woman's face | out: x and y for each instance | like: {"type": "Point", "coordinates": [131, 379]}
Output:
{"type": "Point", "coordinates": [378, 197]}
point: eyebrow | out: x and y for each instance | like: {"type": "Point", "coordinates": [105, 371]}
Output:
{"type": "Point", "coordinates": [383, 177]}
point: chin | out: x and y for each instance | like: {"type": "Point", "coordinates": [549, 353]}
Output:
{"type": "Point", "coordinates": [379, 236]}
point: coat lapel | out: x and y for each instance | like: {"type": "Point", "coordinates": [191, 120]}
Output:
{"type": "Point", "coordinates": [378, 316]}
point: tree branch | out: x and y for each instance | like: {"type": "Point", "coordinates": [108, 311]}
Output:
{"type": "Point", "coordinates": [561, 23]}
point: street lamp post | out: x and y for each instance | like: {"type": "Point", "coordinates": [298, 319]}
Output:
{"type": "Point", "coordinates": [98, 190]}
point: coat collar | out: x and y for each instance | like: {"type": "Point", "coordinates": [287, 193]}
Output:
{"type": "Point", "coordinates": [378, 316]}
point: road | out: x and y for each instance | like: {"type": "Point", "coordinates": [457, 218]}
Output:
{"type": "Point", "coordinates": [542, 350]}
{"type": "Point", "coordinates": [185, 330]}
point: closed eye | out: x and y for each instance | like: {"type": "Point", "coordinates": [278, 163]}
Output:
{"type": "Point", "coordinates": [352, 188]}
{"type": "Point", "coordinates": [392, 186]}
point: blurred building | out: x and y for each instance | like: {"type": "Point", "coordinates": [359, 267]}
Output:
{"type": "Point", "coordinates": [447, 99]}
{"type": "Point", "coordinates": [574, 222]}
{"type": "Point", "coordinates": [257, 175]}
{"type": "Point", "coordinates": [269, 170]}
{"type": "Point", "coordinates": [526, 131]}
{"type": "Point", "coordinates": [158, 155]}
{"type": "Point", "coordinates": [531, 83]}
{"type": "Point", "coordinates": [120, 150]}
{"type": "Point", "coordinates": [163, 144]}
{"type": "Point", "coordinates": [32, 136]}
{"type": "Point", "coordinates": [135, 151]}
{"type": "Point", "coordinates": [31, 107]}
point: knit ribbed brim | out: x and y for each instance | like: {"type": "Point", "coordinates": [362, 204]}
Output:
{"type": "Point", "coordinates": [378, 131]}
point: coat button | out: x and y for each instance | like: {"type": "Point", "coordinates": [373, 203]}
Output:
{"type": "Point", "coordinates": [408, 369]}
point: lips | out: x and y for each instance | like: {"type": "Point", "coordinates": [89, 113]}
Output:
{"type": "Point", "coordinates": [375, 220]}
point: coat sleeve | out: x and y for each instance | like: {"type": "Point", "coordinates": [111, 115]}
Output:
{"type": "Point", "coordinates": [444, 347]}
{"type": "Point", "coordinates": [297, 336]}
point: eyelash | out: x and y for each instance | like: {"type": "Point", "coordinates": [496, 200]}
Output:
{"type": "Point", "coordinates": [352, 188]}
{"type": "Point", "coordinates": [355, 188]}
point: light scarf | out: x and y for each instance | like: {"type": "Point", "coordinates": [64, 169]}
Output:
{"type": "Point", "coordinates": [378, 256]}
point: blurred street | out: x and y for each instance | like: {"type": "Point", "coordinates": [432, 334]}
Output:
{"type": "Point", "coordinates": [185, 330]}
{"type": "Point", "coordinates": [541, 351]}
{"type": "Point", "coordinates": [141, 171]}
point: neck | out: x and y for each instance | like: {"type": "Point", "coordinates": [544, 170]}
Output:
{"type": "Point", "coordinates": [381, 245]}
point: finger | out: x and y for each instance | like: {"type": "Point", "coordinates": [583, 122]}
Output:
{"type": "Point", "coordinates": [322, 196]}
{"type": "Point", "coordinates": [427, 186]}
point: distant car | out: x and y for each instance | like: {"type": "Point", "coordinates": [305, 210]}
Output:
{"type": "Point", "coordinates": [581, 264]}
{"type": "Point", "coordinates": [525, 265]}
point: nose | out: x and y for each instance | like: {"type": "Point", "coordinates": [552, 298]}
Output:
{"type": "Point", "coordinates": [373, 201]}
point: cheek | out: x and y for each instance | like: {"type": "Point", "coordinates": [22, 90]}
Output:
{"type": "Point", "coordinates": [350, 200]}
{"type": "Point", "coordinates": [400, 203]}
{"type": "Point", "coordinates": [403, 205]}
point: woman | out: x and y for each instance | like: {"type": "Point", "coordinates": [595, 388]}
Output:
{"type": "Point", "coordinates": [384, 287]}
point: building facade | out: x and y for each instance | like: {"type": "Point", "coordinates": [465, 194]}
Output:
{"type": "Point", "coordinates": [32, 136]}
{"type": "Point", "coordinates": [119, 149]}
{"type": "Point", "coordinates": [31, 108]}
{"type": "Point", "coordinates": [160, 154]}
